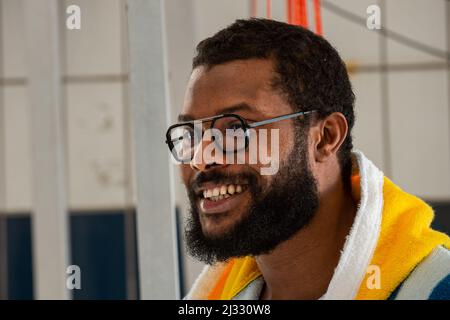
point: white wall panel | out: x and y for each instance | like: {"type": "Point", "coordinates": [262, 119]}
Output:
{"type": "Point", "coordinates": [212, 15]}
{"type": "Point", "coordinates": [96, 48]}
{"type": "Point", "coordinates": [355, 43]}
{"type": "Point", "coordinates": [421, 20]}
{"type": "Point", "coordinates": [95, 142]}
{"type": "Point", "coordinates": [367, 132]}
{"type": "Point", "coordinates": [420, 132]}
{"type": "Point", "coordinates": [17, 149]}
{"type": "Point", "coordinates": [13, 34]}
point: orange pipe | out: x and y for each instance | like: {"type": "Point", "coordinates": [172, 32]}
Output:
{"type": "Point", "coordinates": [268, 9]}
{"type": "Point", "coordinates": [297, 12]}
{"type": "Point", "coordinates": [253, 8]}
{"type": "Point", "coordinates": [288, 11]}
{"type": "Point", "coordinates": [303, 13]}
{"type": "Point", "coordinates": [318, 17]}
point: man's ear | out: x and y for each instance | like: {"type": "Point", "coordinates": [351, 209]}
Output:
{"type": "Point", "coordinates": [328, 135]}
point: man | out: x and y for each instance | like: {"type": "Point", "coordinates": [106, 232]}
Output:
{"type": "Point", "coordinates": [327, 224]}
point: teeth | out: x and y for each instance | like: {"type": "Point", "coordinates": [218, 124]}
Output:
{"type": "Point", "coordinates": [222, 192]}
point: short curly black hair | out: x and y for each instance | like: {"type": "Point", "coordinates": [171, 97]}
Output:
{"type": "Point", "coordinates": [310, 72]}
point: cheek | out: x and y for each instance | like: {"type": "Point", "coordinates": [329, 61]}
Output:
{"type": "Point", "coordinates": [268, 148]}
{"type": "Point", "coordinates": [185, 172]}
{"type": "Point", "coordinates": [269, 142]}
{"type": "Point", "coordinates": [287, 141]}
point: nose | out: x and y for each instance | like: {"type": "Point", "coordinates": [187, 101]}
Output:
{"type": "Point", "coordinates": [206, 155]}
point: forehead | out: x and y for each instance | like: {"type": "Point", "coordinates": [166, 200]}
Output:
{"type": "Point", "coordinates": [212, 90]}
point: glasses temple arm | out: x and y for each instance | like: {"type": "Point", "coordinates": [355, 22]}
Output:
{"type": "Point", "coordinates": [287, 116]}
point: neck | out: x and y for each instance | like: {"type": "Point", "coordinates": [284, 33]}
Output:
{"type": "Point", "coordinates": [302, 267]}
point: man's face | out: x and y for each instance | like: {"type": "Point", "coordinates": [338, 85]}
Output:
{"type": "Point", "coordinates": [263, 210]}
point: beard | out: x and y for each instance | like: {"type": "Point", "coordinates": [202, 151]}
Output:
{"type": "Point", "coordinates": [274, 216]}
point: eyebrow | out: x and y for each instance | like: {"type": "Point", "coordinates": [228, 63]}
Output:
{"type": "Point", "coordinates": [230, 109]}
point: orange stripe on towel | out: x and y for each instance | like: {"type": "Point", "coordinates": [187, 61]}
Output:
{"type": "Point", "coordinates": [216, 292]}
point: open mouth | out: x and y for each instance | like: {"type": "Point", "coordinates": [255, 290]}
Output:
{"type": "Point", "coordinates": [221, 198]}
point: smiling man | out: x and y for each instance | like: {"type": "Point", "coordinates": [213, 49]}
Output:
{"type": "Point", "coordinates": [327, 224]}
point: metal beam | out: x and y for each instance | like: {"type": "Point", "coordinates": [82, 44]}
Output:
{"type": "Point", "coordinates": [156, 227]}
{"type": "Point", "coordinates": [49, 212]}
{"type": "Point", "coordinates": [447, 33]}
{"type": "Point", "coordinates": [3, 226]}
{"type": "Point", "coordinates": [384, 79]}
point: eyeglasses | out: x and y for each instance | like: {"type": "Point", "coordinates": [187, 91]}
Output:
{"type": "Point", "coordinates": [183, 138]}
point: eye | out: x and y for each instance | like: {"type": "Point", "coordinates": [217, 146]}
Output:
{"type": "Point", "coordinates": [188, 137]}
{"type": "Point", "coordinates": [236, 126]}
{"type": "Point", "coordinates": [188, 134]}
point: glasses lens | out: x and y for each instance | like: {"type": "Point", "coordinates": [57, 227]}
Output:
{"type": "Point", "coordinates": [232, 135]}
{"type": "Point", "coordinates": [183, 140]}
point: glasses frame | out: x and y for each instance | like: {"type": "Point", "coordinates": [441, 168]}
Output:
{"type": "Point", "coordinates": [245, 125]}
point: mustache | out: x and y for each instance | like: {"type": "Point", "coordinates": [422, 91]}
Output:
{"type": "Point", "coordinates": [221, 177]}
